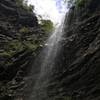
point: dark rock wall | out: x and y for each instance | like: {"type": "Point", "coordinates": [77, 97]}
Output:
{"type": "Point", "coordinates": [20, 40]}
{"type": "Point", "coordinates": [76, 75]}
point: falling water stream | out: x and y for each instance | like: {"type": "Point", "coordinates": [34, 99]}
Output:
{"type": "Point", "coordinates": [47, 63]}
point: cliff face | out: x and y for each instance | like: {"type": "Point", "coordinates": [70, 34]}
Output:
{"type": "Point", "coordinates": [76, 75]}
{"type": "Point", "coordinates": [77, 71]}
{"type": "Point", "coordinates": [20, 40]}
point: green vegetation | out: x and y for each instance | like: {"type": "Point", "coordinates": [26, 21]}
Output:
{"type": "Point", "coordinates": [24, 4]}
{"type": "Point", "coordinates": [23, 29]}
{"type": "Point", "coordinates": [30, 45]}
{"type": "Point", "coordinates": [28, 41]}
{"type": "Point", "coordinates": [4, 53]}
{"type": "Point", "coordinates": [67, 98]}
{"type": "Point", "coordinates": [47, 25]}
{"type": "Point", "coordinates": [12, 47]}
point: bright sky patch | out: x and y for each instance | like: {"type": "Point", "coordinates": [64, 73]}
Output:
{"type": "Point", "coordinates": [49, 9]}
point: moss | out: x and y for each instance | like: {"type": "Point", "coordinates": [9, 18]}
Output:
{"type": "Point", "coordinates": [30, 42]}
{"type": "Point", "coordinates": [67, 98]}
{"type": "Point", "coordinates": [24, 29]}
{"type": "Point", "coordinates": [8, 62]}
{"type": "Point", "coordinates": [63, 98]}
{"type": "Point", "coordinates": [30, 45]}
{"type": "Point", "coordinates": [4, 53]}
{"type": "Point", "coordinates": [17, 45]}
{"type": "Point", "coordinates": [11, 47]}
{"type": "Point", "coordinates": [14, 46]}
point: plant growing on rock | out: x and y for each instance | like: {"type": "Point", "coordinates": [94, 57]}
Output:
{"type": "Point", "coordinates": [47, 25]}
{"type": "Point", "coordinates": [23, 29]}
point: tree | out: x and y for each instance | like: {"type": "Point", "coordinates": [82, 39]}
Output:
{"type": "Point", "coordinates": [47, 25]}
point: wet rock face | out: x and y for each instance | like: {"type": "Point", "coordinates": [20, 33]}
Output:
{"type": "Point", "coordinates": [77, 71]}
{"type": "Point", "coordinates": [20, 38]}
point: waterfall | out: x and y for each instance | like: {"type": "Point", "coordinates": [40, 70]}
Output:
{"type": "Point", "coordinates": [47, 58]}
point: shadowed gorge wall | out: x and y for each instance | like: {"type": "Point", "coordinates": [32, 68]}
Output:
{"type": "Point", "coordinates": [76, 70]}
{"type": "Point", "coordinates": [21, 38]}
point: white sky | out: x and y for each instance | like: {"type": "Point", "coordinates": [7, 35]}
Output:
{"type": "Point", "coordinates": [50, 9]}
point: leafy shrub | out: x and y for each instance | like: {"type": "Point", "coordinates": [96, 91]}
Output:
{"type": "Point", "coordinates": [47, 25]}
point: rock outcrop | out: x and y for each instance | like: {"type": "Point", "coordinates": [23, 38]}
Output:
{"type": "Point", "coordinates": [20, 40]}
{"type": "Point", "coordinates": [76, 75]}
